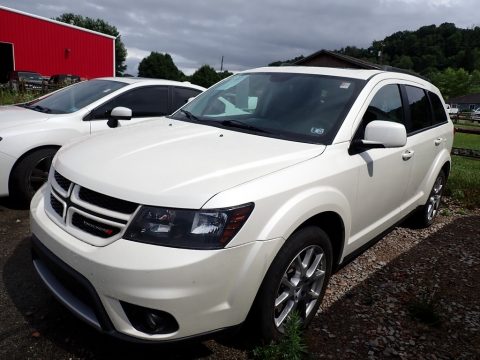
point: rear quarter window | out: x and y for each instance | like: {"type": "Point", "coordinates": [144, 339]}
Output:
{"type": "Point", "coordinates": [439, 115]}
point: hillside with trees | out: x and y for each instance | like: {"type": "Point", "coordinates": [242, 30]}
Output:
{"type": "Point", "coordinates": [447, 55]}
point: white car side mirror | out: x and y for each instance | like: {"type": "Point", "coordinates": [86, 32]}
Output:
{"type": "Point", "coordinates": [118, 113]}
{"type": "Point", "coordinates": [386, 133]}
{"type": "Point", "coordinates": [121, 113]}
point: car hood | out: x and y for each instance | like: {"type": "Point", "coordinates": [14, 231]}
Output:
{"type": "Point", "coordinates": [174, 163]}
{"type": "Point", "coordinates": [12, 115]}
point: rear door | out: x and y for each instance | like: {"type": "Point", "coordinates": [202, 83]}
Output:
{"type": "Point", "coordinates": [428, 130]}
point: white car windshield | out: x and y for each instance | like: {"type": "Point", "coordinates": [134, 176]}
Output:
{"type": "Point", "coordinates": [293, 106]}
{"type": "Point", "coordinates": [75, 97]}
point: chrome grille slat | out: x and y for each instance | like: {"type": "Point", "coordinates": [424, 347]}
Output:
{"type": "Point", "coordinates": [91, 216]}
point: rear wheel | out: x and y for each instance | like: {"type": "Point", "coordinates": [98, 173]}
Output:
{"type": "Point", "coordinates": [428, 212]}
{"type": "Point", "coordinates": [30, 174]}
{"type": "Point", "coordinates": [295, 282]}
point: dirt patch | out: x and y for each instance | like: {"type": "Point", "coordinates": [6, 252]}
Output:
{"type": "Point", "coordinates": [368, 312]}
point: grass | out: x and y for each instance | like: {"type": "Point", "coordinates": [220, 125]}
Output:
{"type": "Point", "coordinates": [466, 141]}
{"type": "Point", "coordinates": [464, 181]}
{"type": "Point", "coordinates": [8, 97]}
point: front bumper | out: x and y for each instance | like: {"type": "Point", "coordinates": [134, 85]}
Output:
{"type": "Point", "coordinates": [204, 291]}
{"type": "Point", "coordinates": [6, 165]}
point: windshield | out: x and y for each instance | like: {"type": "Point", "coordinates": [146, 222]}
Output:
{"type": "Point", "coordinates": [75, 97]}
{"type": "Point", "coordinates": [300, 107]}
{"type": "Point", "coordinates": [29, 76]}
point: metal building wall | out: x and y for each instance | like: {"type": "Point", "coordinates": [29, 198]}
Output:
{"type": "Point", "coordinates": [50, 48]}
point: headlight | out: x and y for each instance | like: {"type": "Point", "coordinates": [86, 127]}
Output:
{"type": "Point", "coordinates": [191, 229]}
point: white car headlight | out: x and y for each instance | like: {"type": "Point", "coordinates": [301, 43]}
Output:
{"type": "Point", "coordinates": [191, 229]}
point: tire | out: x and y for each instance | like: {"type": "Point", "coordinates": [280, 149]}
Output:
{"type": "Point", "coordinates": [289, 285]}
{"type": "Point", "coordinates": [29, 175]}
{"type": "Point", "coordinates": [428, 212]}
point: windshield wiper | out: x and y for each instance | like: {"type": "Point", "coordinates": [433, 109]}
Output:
{"type": "Point", "coordinates": [189, 115]}
{"type": "Point", "coordinates": [242, 125]}
{"type": "Point", "coordinates": [38, 108]}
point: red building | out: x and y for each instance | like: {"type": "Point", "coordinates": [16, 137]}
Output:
{"type": "Point", "coordinates": [34, 43]}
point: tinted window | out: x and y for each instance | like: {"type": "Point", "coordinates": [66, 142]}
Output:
{"type": "Point", "coordinates": [181, 96]}
{"type": "Point", "coordinates": [386, 105]}
{"type": "Point", "coordinates": [144, 102]}
{"type": "Point", "coordinates": [77, 96]}
{"type": "Point", "coordinates": [439, 115]}
{"type": "Point", "coordinates": [419, 109]}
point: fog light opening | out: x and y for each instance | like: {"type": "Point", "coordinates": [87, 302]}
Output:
{"type": "Point", "coordinates": [150, 321]}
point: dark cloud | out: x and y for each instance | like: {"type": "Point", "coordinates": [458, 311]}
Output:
{"type": "Point", "coordinates": [251, 34]}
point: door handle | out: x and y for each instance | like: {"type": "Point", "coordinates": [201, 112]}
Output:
{"type": "Point", "coordinates": [407, 155]}
{"type": "Point", "coordinates": [438, 141]}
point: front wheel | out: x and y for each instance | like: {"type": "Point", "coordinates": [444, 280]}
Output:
{"type": "Point", "coordinates": [30, 174]}
{"type": "Point", "coordinates": [295, 282]}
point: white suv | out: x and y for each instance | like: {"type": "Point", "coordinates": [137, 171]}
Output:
{"type": "Point", "coordinates": [243, 201]}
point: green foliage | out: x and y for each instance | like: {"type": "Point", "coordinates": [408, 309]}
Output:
{"type": "Point", "coordinates": [464, 181]}
{"type": "Point", "coordinates": [160, 66]}
{"type": "Point", "coordinates": [453, 82]}
{"type": "Point", "coordinates": [291, 346]}
{"type": "Point", "coordinates": [102, 26]}
{"type": "Point", "coordinates": [8, 97]}
{"type": "Point", "coordinates": [206, 76]}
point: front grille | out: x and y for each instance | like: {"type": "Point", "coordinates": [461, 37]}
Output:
{"type": "Point", "coordinates": [56, 205]}
{"type": "Point", "coordinates": [94, 227]}
{"type": "Point", "coordinates": [62, 181]}
{"type": "Point", "coordinates": [93, 217]}
{"type": "Point", "coordinates": [107, 202]}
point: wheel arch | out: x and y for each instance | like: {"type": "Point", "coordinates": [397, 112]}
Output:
{"type": "Point", "coordinates": [332, 223]}
{"type": "Point", "coordinates": [24, 155]}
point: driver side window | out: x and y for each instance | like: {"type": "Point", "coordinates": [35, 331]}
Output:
{"type": "Point", "coordinates": [386, 105]}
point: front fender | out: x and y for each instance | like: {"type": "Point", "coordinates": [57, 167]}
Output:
{"type": "Point", "coordinates": [302, 207]}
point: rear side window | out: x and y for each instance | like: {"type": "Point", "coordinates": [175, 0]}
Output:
{"type": "Point", "coordinates": [439, 116]}
{"type": "Point", "coordinates": [419, 105]}
{"type": "Point", "coordinates": [181, 96]}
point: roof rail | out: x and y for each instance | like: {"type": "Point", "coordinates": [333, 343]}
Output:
{"type": "Point", "coordinates": [403, 71]}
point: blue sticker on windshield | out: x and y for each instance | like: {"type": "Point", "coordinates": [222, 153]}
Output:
{"type": "Point", "coordinates": [317, 131]}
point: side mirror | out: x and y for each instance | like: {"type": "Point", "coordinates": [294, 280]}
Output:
{"type": "Point", "coordinates": [385, 134]}
{"type": "Point", "coordinates": [118, 113]}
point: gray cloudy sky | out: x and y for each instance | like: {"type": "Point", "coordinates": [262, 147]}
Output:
{"type": "Point", "coordinates": [253, 33]}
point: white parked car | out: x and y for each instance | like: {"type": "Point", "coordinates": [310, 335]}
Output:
{"type": "Point", "coordinates": [243, 201]}
{"type": "Point", "coordinates": [31, 133]}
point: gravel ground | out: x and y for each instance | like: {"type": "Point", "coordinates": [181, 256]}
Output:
{"type": "Point", "coordinates": [413, 295]}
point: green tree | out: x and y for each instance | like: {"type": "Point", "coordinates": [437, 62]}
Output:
{"type": "Point", "coordinates": [205, 76]}
{"type": "Point", "coordinates": [452, 82]}
{"type": "Point", "coordinates": [161, 66]}
{"type": "Point", "coordinates": [102, 26]}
